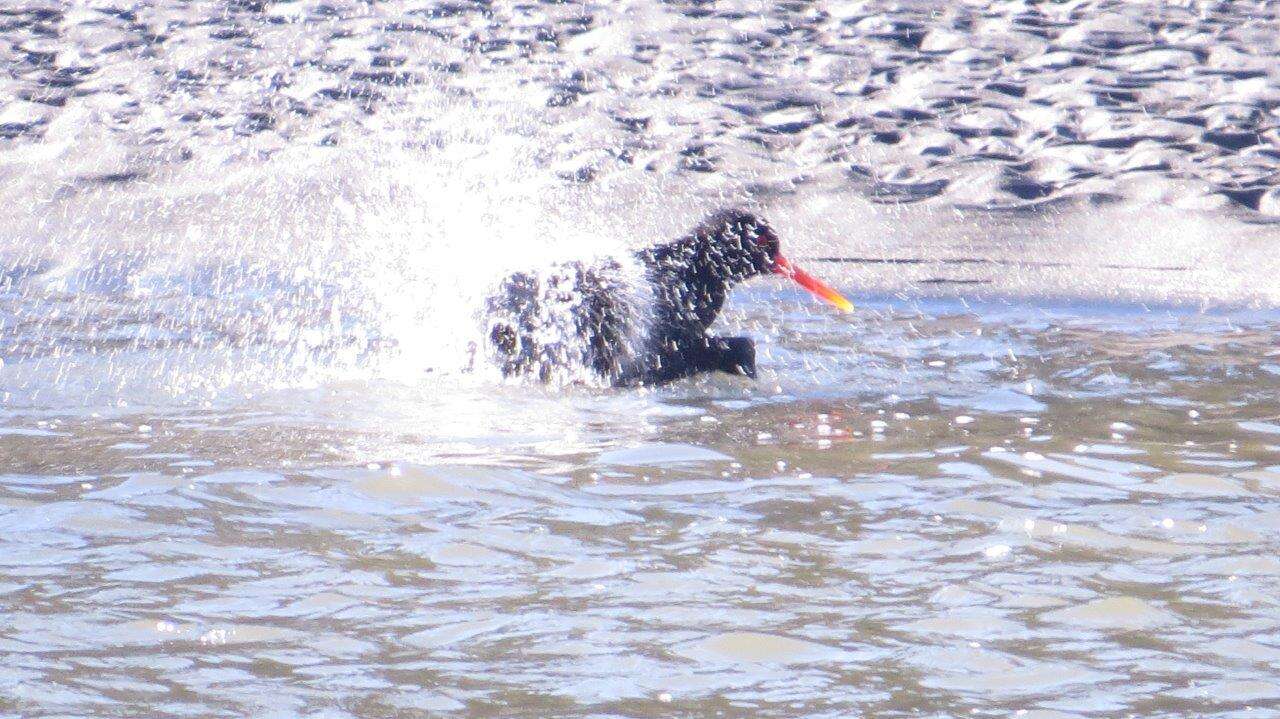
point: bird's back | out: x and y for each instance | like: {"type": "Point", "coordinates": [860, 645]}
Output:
{"type": "Point", "coordinates": [687, 296]}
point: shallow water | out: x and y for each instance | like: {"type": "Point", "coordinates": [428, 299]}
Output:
{"type": "Point", "coordinates": [243, 471]}
{"type": "Point", "coordinates": [986, 509]}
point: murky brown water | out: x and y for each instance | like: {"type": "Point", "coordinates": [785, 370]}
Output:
{"type": "Point", "coordinates": [924, 510]}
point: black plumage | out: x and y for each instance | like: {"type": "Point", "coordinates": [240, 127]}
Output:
{"type": "Point", "coordinates": [647, 331]}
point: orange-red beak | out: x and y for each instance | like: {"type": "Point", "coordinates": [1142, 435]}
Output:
{"type": "Point", "coordinates": [784, 267]}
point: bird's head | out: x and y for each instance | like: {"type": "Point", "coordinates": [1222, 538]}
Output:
{"type": "Point", "coordinates": [740, 246]}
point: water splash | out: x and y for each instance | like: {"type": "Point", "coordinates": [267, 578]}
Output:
{"type": "Point", "coordinates": [373, 257]}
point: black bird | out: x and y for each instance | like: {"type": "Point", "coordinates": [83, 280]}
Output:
{"type": "Point", "coordinates": [652, 329]}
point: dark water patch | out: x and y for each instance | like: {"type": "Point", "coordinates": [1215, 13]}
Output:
{"type": "Point", "coordinates": [1234, 141]}
{"type": "Point", "coordinates": [897, 192]}
{"type": "Point", "coordinates": [1008, 88]}
{"type": "Point", "coordinates": [109, 178]}
{"type": "Point", "coordinates": [390, 78]}
{"type": "Point", "coordinates": [1027, 189]}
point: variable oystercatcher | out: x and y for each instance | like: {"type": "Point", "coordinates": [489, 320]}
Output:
{"type": "Point", "coordinates": [644, 324]}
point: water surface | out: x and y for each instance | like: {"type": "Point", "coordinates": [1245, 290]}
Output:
{"type": "Point", "coordinates": [246, 471]}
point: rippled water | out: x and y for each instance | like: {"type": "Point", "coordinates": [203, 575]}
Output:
{"type": "Point", "coordinates": [926, 509]}
{"type": "Point", "coordinates": [244, 471]}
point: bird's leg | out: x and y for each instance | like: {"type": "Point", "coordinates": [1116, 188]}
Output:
{"type": "Point", "coordinates": [735, 355]}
